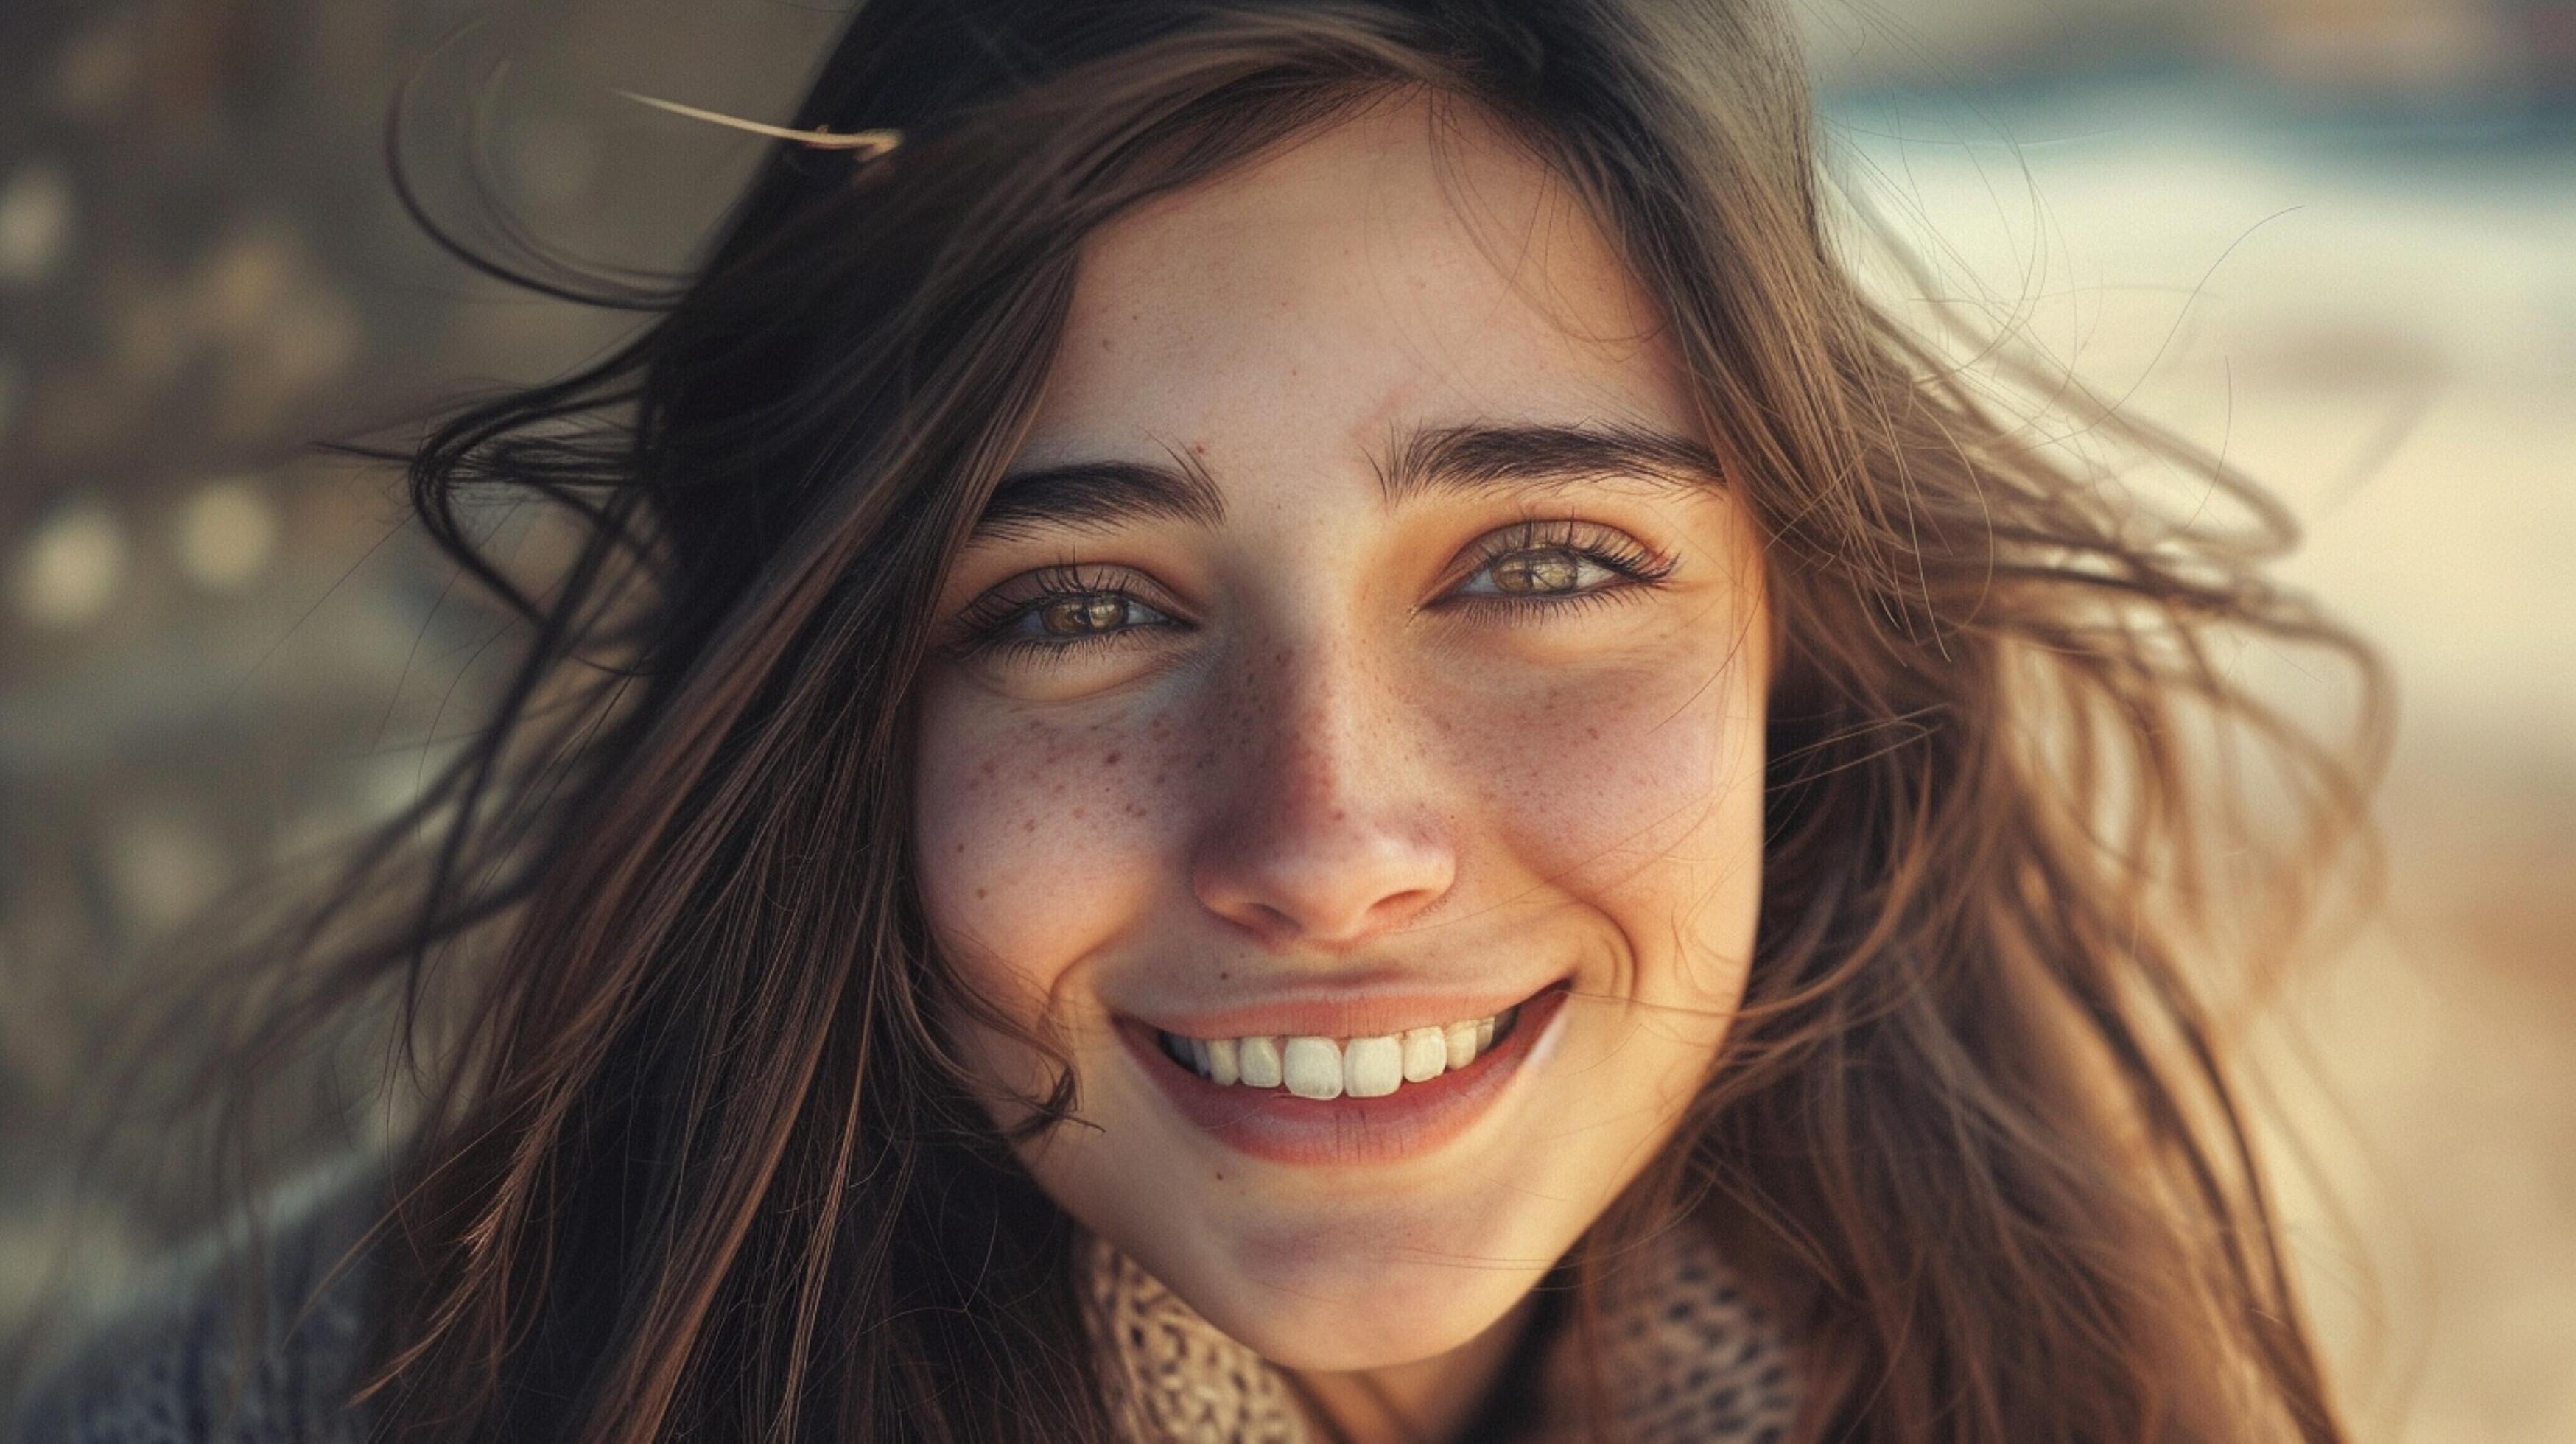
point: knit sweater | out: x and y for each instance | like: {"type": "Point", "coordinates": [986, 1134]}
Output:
{"type": "Point", "coordinates": [1691, 1357]}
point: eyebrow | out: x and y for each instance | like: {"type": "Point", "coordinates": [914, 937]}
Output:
{"type": "Point", "coordinates": [1101, 495]}
{"type": "Point", "coordinates": [1467, 459]}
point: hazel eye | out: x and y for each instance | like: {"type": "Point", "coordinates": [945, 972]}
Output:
{"type": "Point", "coordinates": [1557, 563]}
{"type": "Point", "coordinates": [1551, 572]}
{"type": "Point", "coordinates": [1091, 614]}
{"type": "Point", "coordinates": [1058, 612]}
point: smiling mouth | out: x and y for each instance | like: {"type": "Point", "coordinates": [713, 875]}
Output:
{"type": "Point", "coordinates": [1314, 1099]}
{"type": "Point", "coordinates": [1321, 1068]}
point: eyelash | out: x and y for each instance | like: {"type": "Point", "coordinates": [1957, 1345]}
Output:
{"type": "Point", "coordinates": [984, 626]}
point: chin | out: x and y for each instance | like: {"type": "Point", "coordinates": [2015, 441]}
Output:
{"type": "Point", "coordinates": [1372, 1316]}
{"type": "Point", "coordinates": [1313, 1281]}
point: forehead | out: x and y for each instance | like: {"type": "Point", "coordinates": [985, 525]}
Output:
{"type": "Point", "coordinates": [1402, 265]}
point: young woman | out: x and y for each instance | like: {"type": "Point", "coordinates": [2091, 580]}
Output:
{"type": "Point", "coordinates": [1286, 721]}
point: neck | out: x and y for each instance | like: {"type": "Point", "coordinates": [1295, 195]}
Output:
{"type": "Point", "coordinates": [1422, 1402]}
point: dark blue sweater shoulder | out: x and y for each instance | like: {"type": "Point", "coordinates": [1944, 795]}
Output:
{"type": "Point", "coordinates": [213, 1353]}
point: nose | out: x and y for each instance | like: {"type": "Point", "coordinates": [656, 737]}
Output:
{"type": "Point", "coordinates": [1325, 835]}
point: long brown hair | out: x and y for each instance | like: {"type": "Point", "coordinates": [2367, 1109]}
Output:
{"type": "Point", "coordinates": [692, 1153]}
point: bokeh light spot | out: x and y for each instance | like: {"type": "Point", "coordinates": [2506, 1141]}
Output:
{"type": "Point", "coordinates": [227, 534]}
{"type": "Point", "coordinates": [35, 223]}
{"type": "Point", "coordinates": [70, 566]}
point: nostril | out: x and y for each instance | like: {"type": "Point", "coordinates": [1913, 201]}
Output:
{"type": "Point", "coordinates": [1273, 919]}
{"type": "Point", "coordinates": [1288, 874]}
{"type": "Point", "coordinates": [1316, 922]}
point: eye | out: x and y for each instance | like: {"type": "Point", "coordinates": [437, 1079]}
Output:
{"type": "Point", "coordinates": [1056, 610]}
{"type": "Point", "coordinates": [1085, 614]}
{"type": "Point", "coordinates": [1554, 571]}
{"type": "Point", "coordinates": [1540, 563]}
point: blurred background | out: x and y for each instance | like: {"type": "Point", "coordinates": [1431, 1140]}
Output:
{"type": "Point", "coordinates": [2336, 238]}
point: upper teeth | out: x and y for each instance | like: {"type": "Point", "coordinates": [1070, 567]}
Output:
{"type": "Point", "coordinates": [1315, 1067]}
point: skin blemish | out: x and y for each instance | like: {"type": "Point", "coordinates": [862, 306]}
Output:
{"type": "Point", "coordinates": [1112, 759]}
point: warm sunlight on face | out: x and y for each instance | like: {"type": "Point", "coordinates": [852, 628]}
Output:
{"type": "Point", "coordinates": [1347, 738]}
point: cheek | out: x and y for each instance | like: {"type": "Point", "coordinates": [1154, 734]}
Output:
{"type": "Point", "coordinates": [1635, 792]}
{"type": "Point", "coordinates": [1036, 839]}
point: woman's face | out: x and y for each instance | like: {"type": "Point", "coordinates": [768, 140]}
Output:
{"type": "Point", "coordinates": [1357, 674]}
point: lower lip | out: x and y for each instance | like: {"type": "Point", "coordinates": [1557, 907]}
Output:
{"type": "Point", "coordinates": [1414, 1120]}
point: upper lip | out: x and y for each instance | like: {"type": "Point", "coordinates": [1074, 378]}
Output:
{"type": "Point", "coordinates": [1346, 1015]}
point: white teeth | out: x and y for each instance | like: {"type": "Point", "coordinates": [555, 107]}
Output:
{"type": "Point", "coordinates": [1323, 1068]}
{"type": "Point", "coordinates": [1258, 1058]}
{"type": "Point", "coordinates": [1458, 1040]}
{"type": "Point", "coordinates": [1312, 1068]}
{"type": "Point", "coordinates": [1426, 1054]}
{"type": "Point", "coordinates": [1372, 1067]}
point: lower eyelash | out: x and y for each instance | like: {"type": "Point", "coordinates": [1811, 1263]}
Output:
{"type": "Point", "coordinates": [996, 644]}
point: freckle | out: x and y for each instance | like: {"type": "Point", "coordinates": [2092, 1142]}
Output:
{"type": "Point", "coordinates": [1112, 759]}
{"type": "Point", "coordinates": [979, 892]}
{"type": "Point", "coordinates": [1028, 824]}
{"type": "Point", "coordinates": [961, 847]}
{"type": "Point", "coordinates": [1592, 732]}
{"type": "Point", "coordinates": [1079, 811]}
{"type": "Point", "coordinates": [1159, 776]}
{"type": "Point", "coordinates": [1134, 811]}
{"type": "Point", "coordinates": [1339, 814]}
{"type": "Point", "coordinates": [992, 765]}
{"type": "Point", "coordinates": [1224, 976]}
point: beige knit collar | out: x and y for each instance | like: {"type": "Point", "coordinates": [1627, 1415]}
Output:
{"type": "Point", "coordinates": [1691, 1357]}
